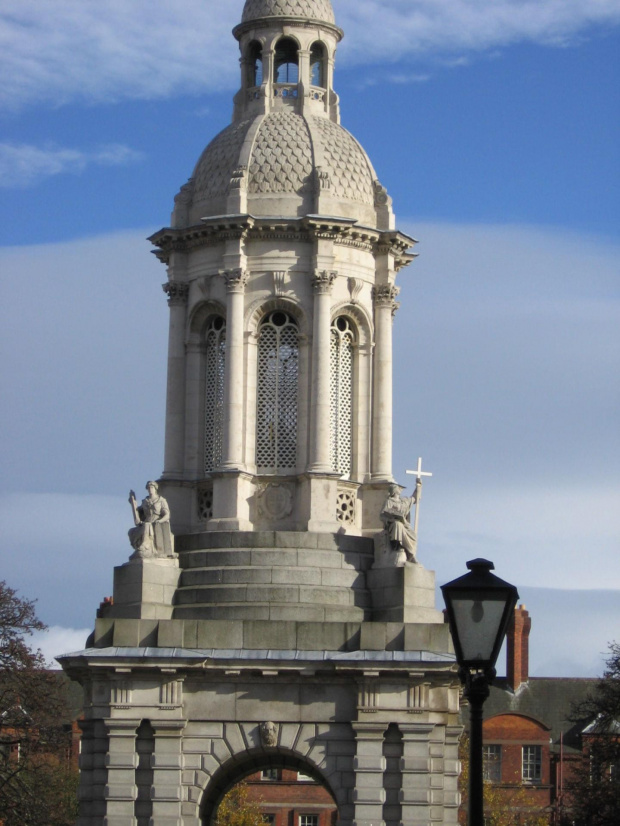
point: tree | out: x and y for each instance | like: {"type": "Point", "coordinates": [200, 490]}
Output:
{"type": "Point", "coordinates": [236, 808]}
{"type": "Point", "coordinates": [594, 789]}
{"type": "Point", "coordinates": [37, 786]}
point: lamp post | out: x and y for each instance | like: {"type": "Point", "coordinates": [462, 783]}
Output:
{"type": "Point", "coordinates": [480, 606]}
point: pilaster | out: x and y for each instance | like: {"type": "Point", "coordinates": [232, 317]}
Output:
{"type": "Point", "coordinates": [122, 761]}
{"type": "Point", "coordinates": [416, 793]}
{"type": "Point", "coordinates": [369, 765]}
{"type": "Point", "coordinates": [384, 298]}
{"type": "Point", "coordinates": [167, 764]}
{"type": "Point", "coordinates": [322, 285]}
{"type": "Point", "coordinates": [232, 448]}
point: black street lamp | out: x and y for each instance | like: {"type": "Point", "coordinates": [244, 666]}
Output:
{"type": "Point", "coordinates": [480, 606]}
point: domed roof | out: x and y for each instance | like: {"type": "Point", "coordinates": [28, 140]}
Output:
{"type": "Point", "coordinates": [281, 155]}
{"type": "Point", "coordinates": [313, 9]}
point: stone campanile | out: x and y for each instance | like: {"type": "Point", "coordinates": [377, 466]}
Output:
{"type": "Point", "coordinates": [285, 622]}
{"type": "Point", "coordinates": [282, 258]}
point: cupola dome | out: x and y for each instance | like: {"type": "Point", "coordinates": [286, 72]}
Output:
{"type": "Point", "coordinates": [307, 9]}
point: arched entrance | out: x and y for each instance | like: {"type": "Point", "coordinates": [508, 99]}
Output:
{"type": "Point", "coordinates": [274, 763]}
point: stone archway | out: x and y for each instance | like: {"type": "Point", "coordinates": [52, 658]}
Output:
{"type": "Point", "coordinates": [257, 760]}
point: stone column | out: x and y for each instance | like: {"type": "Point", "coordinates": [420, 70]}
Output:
{"type": "Point", "coordinates": [232, 448]}
{"type": "Point", "coordinates": [382, 407]}
{"type": "Point", "coordinates": [167, 762]}
{"type": "Point", "coordinates": [369, 765]}
{"type": "Point", "coordinates": [320, 391]}
{"type": "Point", "coordinates": [416, 771]}
{"type": "Point", "coordinates": [122, 761]}
{"type": "Point", "coordinates": [175, 401]}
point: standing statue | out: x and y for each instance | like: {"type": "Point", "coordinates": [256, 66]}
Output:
{"type": "Point", "coordinates": [151, 537]}
{"type": "Point", "coordinates": [395, 517]}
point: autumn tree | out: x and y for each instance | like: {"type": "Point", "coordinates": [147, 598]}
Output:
{"type": "Point", "coordinates": [37, 787]}
{"type": "Point", "coordinates": [594, 790]}
{"type": "Point", "coordinates": [237, 809]}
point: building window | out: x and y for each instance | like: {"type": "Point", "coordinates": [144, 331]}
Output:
{"type": "Point", "coordinates": [308, 820]}
{"type": "Point", "coordinates": [215, 357]}
{"type": "Point", "coordinates": [286, 65]}
{"type": "Point", "coordinates": [304, 778]}
{"type": "Point", "coordinates": [317, 65]}
{"type": "Point", "coordinates": [492, 756]}
{"type": "Point", "coordinates": [341, 392]}
{"type": "Point", "coordinates": [278, 371]}
{"type": "Point", "coordinates": [532, 764]}
{"type": "Point", "coordinates": [269, 819]}
{"type": "Point", "coordinates": [270, 774]}
{"type": "Point", "coordinates": [255, 64]}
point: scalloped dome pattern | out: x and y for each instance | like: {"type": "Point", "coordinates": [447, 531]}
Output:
{"type": "Point", "coordinates": [282, 155]}
{"type": "Point", "coordinates": [314, 9]}
{"type": "Point", "coordinates": [286, 149]}
{"type": "Point", "coordinates": [219, 160]}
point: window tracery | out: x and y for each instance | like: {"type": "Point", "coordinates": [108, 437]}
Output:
{"type": "Point", "coordinates": [341, 393]}
{"type": "Point", "coordinates": [278, 372]}
{"type": "Point", "coordinates": [215, 357]}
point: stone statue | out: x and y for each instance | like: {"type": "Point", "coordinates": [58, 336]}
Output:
{"type": "Point", "coordinates": [269, 734]}
{"type": "Point", "coordinates": [151, 538]}
{"type": "Point", "coordinates": [395, 517]}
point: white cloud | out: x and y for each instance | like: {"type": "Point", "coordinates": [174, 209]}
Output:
{"type": "Point", "coordinates": [76, 50]}
{"type": "Point", "coordinates": [22, 164]}
{"type": "Point", "coordinates": [57, 641]}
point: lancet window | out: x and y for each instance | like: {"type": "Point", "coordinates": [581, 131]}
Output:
{"type": "Point", "coordinates": [215, 354]}
{"type": "Point", "coordinates": [278, 373]}
{"type": "Point", "coordinates": [286, 65]}
{"type": "Point", "coordinates": [341, 395]}
{"type": "Point", "coordinates": [255, 64]}
{"type": "Point", "coordinates": [317, 65]}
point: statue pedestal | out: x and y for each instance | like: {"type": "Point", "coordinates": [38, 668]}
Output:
{"type": "Point", "coordinates": [405, 594]}
{"type": "Point", "coordinates": [145, 588]}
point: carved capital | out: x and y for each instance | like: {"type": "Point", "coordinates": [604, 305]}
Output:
{"type": "Point", "coordinates": [236, 280]}
{"type": "Point", "coordinates": [177, 293]}
{"type": "Point", "coordinates": [385, 296]}
{"type": "Point", "coordinates": [323, 282]}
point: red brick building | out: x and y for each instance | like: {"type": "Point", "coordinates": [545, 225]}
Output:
{"type": "Point", "coordinates": [289, 798]}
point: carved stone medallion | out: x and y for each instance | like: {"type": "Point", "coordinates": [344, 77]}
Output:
{"type": "Point", "coordinates": [275, 501]}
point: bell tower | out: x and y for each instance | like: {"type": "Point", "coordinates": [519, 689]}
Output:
{"type": "Point", "coordinates": [285, 621]}
{"type": "Point", "coordinates": [282, 259]}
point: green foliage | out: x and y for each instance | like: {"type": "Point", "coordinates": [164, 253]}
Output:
{"type": "Point", "coordinates": [37, 786]}
{"type": "Point", "coordinates": [236, 808]}
{"type": "Point", "coordinates": [594, 791]}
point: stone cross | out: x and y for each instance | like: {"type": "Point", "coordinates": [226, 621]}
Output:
{"type": "Point", "coordinates": [419, 473]}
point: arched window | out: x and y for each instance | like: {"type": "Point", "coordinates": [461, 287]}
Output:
{"type": "Point", "coordinates": [317, 65]}
{"type": "Point", "coordinates": [255, 64]}
{"type": "Point", "coordinates": [341, 392]}
{"type": "Point", "coordinates": [215, 354]}
{"type": "Point", "coordinates": [286, 64]}
{"type": "Point", "coordinates": [278, 370]}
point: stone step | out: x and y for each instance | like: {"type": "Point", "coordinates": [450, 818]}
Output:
{"type": "Point", "coordinates": [222, 594]}
{"type": "Point", "coordinates": [272, 557]}
{"type": "Point", "coordinates": [284, 575]}
{"type": "Point", "coordinates": [274, 611]}
{"type": "Point", "coordinates": [301, 540]}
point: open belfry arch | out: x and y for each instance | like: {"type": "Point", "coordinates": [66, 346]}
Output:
{"type": "Point", "coordinates": [282, 625]}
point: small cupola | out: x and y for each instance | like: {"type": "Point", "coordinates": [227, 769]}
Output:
{"type": "Point", "coordinates": [287, 63]}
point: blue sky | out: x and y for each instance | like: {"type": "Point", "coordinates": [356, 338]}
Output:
{"type": "Point", "coordinates": [494, 124]}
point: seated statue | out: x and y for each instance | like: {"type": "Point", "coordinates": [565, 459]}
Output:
{"type": "Point", "coordinates": [151, 538]}
{"type": "Point", "coordinates": [395, 518]}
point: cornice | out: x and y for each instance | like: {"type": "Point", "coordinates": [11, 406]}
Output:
{"type": "Point", "coordinates": [279, 22]}
{"type": "Point", "coordinates": [344, 232]}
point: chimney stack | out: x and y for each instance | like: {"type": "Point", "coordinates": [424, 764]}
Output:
{"type": "Point", "coordinates": [518, 654]}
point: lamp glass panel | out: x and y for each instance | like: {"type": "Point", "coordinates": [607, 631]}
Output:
{"type": "Point", "coordinates": [478, 620]}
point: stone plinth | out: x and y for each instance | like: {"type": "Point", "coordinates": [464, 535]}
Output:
{"type": "Point", "coordinates": [404, 594]}
{"type": "Point", "coordinates": [145, 589]}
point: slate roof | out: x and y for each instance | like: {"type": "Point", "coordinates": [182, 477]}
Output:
{"type": "Point", "coordinates": [546, 699]}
